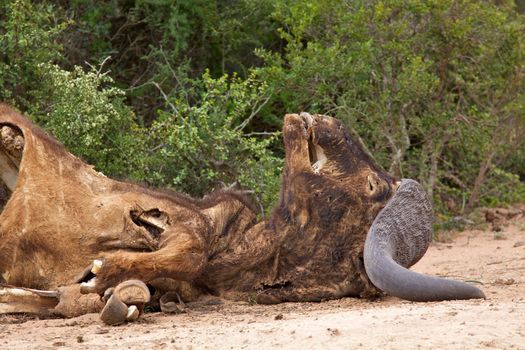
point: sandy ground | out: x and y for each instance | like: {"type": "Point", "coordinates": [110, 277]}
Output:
{"type": "Point", "coordinates": [496, 261]}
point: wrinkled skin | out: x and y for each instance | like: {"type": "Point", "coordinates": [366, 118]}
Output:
{"type": "Point", "coordinates": [312, 245]}
{"type": "Point", "coordinates": [62, 215]}
{"type": "Point", "coordinates": [331, 193]}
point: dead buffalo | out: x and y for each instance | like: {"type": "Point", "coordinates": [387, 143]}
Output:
{"type": "Point", "coordinates": [342, 227]}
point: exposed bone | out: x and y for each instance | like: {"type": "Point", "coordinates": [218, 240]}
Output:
{"type": "Point", "coordinates": [16, 292]}
{"type": "Point", "coordinates": [321, 159]}
{"type": "Point", "coordinates": [159, 222]}
{"type": "Point", "coordinates": [13, 142]}
{"type": "Point", "coordinates": [10, 290]}
{"type": "Point", "coordinates": [25, 300]}
{"type": "Point", "coordinates": [89, 286]}
{"type": "Point", "coordinates": [97, 265]}
{"type": "Point", "coordinates": [115, 312]}
{"type": "Point", "coordinates": [133, 313]}
{"type": "Point", "coordinates": [8, 171]}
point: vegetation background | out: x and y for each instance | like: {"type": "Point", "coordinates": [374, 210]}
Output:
{"type": "Point", "coordinates": [190, 94]}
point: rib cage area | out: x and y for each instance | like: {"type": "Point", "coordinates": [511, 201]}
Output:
{"type": "Point", "coordinates": [153, 220]}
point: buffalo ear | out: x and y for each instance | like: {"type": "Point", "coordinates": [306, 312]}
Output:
{"type": "Point", "coordinates": [372, 183]}
{"type": "Point", "coordinates": [377, 188]}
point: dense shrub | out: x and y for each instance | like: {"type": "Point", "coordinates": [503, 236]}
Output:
{"type": "Point", "coordinates": [28, 38]}
{"type": "Point", "coordinates": [198, 146]}
{"type": "Point", "coordinates": [191, 94]}
{"type": "Point", "coordinates": [88, 115]}
{"type": "Point", "coordinates": [435, 89]}
{"type": "Point", "coordinates": [199, 140]}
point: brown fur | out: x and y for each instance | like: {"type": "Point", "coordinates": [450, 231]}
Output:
{"type": "Point", "coordinates": [63, 214]}
{"type": "Point", "coordinates": [311, 248]}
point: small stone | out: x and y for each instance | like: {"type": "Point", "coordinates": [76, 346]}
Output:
{"type": "Point", "coordinates": [101, 330]}
{"type": "Point", "coordinates": [279, 317]}
{"type": "Point", "coordinates": [334, 331]}
{"type": "Point", "coordinates": [133, 313]}
{"type": "Point", "coordinates": [505, 281]}
{"type": "Point", "coordinates": [519, 244]}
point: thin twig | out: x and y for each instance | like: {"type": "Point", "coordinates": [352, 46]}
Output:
{"type": "Point", "coordinates": [253, 114]}
{"type": "Point", "coordinates": [101, 65]}
{"type": "Point", "coordinates": [174, 74]}
{"type": "Point", "coordinates": [156, 148]}
{"type": "Point", "coordinates": [262, 133]}
{"type": "Point", "coordinates": [166, 98]}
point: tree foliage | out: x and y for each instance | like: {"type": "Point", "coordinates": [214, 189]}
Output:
{"type": "Point", "coordinates": [191, 94]}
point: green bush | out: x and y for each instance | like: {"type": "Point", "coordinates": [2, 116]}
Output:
{"type": "Point", "coordinates": [191, 94]}
{"type": "Point", "coordinates": [147, 38]}
{"type": "Point", "coordinates": [501, 189]}
{"type": "Point", "coordinates": [201, 145]}
{"type": "Point", "coordinates": [199, 140]}
{"type": "Point", "coordinates": [28, 37]}
{"type": "Point", "coordinates": [435, 89]}
{"type": "Point", "coordinates": [89, 116]}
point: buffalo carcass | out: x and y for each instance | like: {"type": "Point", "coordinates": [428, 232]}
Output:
{"type": "Point", "coordinates": [342, 227]}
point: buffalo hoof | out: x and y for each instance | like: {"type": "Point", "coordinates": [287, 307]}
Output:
{"type": "Point", "coordinates": [133, 292]}
{"type": "Point", "coordinates": [115, 312]}
{"type": "Point", "coordinates": [133, 313]}
{"type": "Point", "coordinates": [125, 302]}
{"type": "Point", "coordinates": [172, 303]}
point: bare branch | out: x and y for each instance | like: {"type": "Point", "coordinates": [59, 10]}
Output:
{"type": "Point", "coordinates": [255, 111]}
{"type": "Point", "coordinates": [166, 98]}
{"type": "Point", "coordinates": [262, 133]}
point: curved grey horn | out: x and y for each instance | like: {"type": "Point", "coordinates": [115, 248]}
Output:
{"type": "Point", "coordinates": [397, 239]}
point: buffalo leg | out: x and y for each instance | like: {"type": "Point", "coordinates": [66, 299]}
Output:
{"type": "Point", "coordinates": [181, 257]}
{"type": "Point", "coordinates": [25, 300]}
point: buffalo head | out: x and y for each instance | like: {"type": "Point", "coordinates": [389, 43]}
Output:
{"type": "Point", "coordinates": [334, 199]}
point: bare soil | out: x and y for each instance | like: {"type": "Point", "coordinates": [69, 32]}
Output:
{"type": "Point", "coordinates": [494, 260]}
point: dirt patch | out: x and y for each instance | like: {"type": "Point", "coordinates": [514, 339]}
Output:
{"type": "Point", "coordinates": [495, 260]}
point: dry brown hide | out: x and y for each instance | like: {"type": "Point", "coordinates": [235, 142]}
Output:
{"type": "Point", "coordinates": [62, 215]}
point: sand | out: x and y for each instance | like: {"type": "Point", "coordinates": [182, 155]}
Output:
{"type": "Point", "coordinates": [494, 261]}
